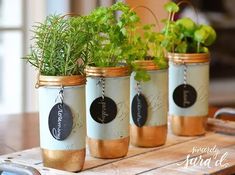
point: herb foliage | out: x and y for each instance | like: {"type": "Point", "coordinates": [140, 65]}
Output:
{"type": "Point", "coordinates": [110, 35]}
{"type": "Point", "coordinates": [60, 46]}
{"type": "Point", "coordinates": [184, 35]}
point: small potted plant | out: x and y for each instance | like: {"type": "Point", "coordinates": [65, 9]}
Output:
{"type": "Point", "coordinates": [108, 81]}
{"type": "Point", "coordinates": [59, 54]}
{"type": "Point", "coordinates": [149, 89]}
{"type": "Point", "coordinates": [186, 43]}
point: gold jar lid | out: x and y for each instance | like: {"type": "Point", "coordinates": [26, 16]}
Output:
{"type": "Point", "coordinates": [118, 71]}
{"type": "Point", "coordinates": [147, 65]}
{"type": "Point", "coordinates": [188, 57]}
{"type": "Point", "coordinates": [73, 80]}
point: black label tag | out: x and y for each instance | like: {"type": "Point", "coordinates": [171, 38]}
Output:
{"type": "Point", "coordinates": [139, 110]}
{"type": "Point", "coordinates": [184, 96]}
{"type": "Point", "coordinates": [60, 121]}
{"type": "Point", "coordinates": [103, 110]}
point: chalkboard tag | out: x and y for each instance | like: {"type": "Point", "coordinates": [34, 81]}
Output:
{"type": "Point", "coordinates": [184, 95]}
{"type": "Point", "coordinates": [139, 110]}
{"type": "Point", "coordinates": [103, 110]}
{"type": "Point", "coordinates": [60, 121]}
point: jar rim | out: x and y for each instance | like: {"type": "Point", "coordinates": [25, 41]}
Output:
{"type": "Point", "coordinates": [189, 57]}
{"type": "Point", "coordinates": [118, 71]}
{"type": "Point", "coordinates": [73, 80]}
{"type": "Point", "coordinates": [147, 65]}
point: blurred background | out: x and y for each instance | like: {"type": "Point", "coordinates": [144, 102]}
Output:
{"type": "Point", "coordinates": [17, 79]}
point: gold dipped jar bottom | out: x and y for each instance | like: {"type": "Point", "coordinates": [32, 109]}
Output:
{"type": "Point", "coordinates": [67, 160]}
{"type": "Point", "coordinates": [108, 149]}
{"type": "Point", "coordinates": [188, 126]}
{"type": "Point", "coordinates": [148, 136]}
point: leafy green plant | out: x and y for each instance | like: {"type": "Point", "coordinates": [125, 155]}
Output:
{"type": "Point", "coordinates": [184, 35]}
{"type": "Point", "coordinates": [148, 47]}
{"type": "Point", "coordinates": [110, 35]}
{"type": "Point", "coordinates": [60, 46]}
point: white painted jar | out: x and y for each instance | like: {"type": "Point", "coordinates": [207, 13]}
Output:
{"type": "Point", "coordinates": [62, 121]}
{"type": "Point", "coordinates": [107, 108]}
{"type": "Point", "coordinates": [152, 130]}
{"type": "Point", "coordinates": [188, 92]}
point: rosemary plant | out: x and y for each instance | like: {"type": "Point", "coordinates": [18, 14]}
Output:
{"type": "Point", "coordinates": [60, 46]}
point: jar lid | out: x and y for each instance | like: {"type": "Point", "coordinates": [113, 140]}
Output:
{"type": "Point", "coordinates": [118, 71]}
{"type": "Point", "coordinates": [72, 80]}
{"type": "Point", "coordinates": [188, 57]}
{"type": "Point", "coordinates": [147, 65]}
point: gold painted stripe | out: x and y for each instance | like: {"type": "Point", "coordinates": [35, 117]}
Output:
{"type": "Point", "coordinates": [108, 148]}
{"type": "Point", "coordinates": [73, 80]}
{"type": "Point", "coordinates": [188, 57]}
{"type": "Point", "coordinates": [67, 160]}
{"type": "Point", "coordinates": [148, 136]}
{"type": "Point", "coordinates": [188, 126]}
{"type": "Point", "coordinates": [120, 71]}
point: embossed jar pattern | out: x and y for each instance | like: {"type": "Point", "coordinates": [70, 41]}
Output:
{"type": "Point", "coordinates": [107, 108]}
{"type": "Point", "coordinates": [188, 92]}
{"type": "Point", "coordinates": [149, 106]}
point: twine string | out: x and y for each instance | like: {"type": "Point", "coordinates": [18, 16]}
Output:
{"type": "Point", "coordinates": [138, 88]}
{"type": "Point", "coordinates": [103, 87]}
{"type": "Point", "coordinates": [60, 96]}
{"type": "Point", "coordinates": [185, 73]}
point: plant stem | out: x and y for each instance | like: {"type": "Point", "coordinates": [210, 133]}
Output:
{"type": "Point", "coordinates": [198, 47]}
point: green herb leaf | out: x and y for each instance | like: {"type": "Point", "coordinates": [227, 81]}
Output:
{"type": "Point", "coordinates": [171, 7]}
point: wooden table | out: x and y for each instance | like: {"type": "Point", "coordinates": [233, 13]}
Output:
{"type": "Point", "coordinates": [171, 158]}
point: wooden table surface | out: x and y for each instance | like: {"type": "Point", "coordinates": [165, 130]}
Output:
{"type": "Point", "coordinates": [20, 132]}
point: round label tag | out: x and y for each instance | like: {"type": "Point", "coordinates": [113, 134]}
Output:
{"type": "Point", "coordinates": [60, 121]}
{"type": "Point", "coordinates": [184, 95]}
{"type": "Point", "coordinates": [139, 110]}
{"type": "Point", "coordinates": [103, 110]}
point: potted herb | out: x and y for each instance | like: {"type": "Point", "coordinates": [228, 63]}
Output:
{"type": "Point", "coordinates": [186, 43]}
{"type": "Point", "coordinates": [149, 89]}
{"type": "Point", "coordinates": [59, 54]}
{"type": "Point", "coordinates": [108, 81]}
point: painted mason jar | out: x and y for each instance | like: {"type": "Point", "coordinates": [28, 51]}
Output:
{"type": "Point", "coordinates": [188, 92]}
{"type": "Point", "coordinates": [62, 121]}
{"type": "Point", "coordinates": [107, 107]}
{"type": "Point", "coordinates": [149, 106]}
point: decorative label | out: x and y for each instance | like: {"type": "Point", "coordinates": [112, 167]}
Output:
{"type": "Point", "coordinates": [139, 110]}
{"type": "Point", "coordinates": [184, 95]}
{"type": "Point", "coordinates": [103, 110]}
{"type": "Point", "coordinates": [60, 121]}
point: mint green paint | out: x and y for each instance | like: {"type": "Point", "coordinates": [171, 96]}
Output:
{"type": "Point", "coordinates": [74, 97]}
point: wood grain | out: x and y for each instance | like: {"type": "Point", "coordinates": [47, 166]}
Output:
{"type": "Point", "coordinates": [160, 160]}
{"type": "Point", "coordinates": [219, 125]}
{"type": "Point", "coordinates": [18, 132]}
{"type": "Point", "coordinates": [162, 157]}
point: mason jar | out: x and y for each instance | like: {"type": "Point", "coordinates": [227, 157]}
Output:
{"type": "Point", "coordinates": [107, 107]}
{"type": "Point", "coordinates": [62, 121]}
{"type": "Point", "coordinates": [149, 106]}
{"type": "Point", "coordinates": [188, 92]}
